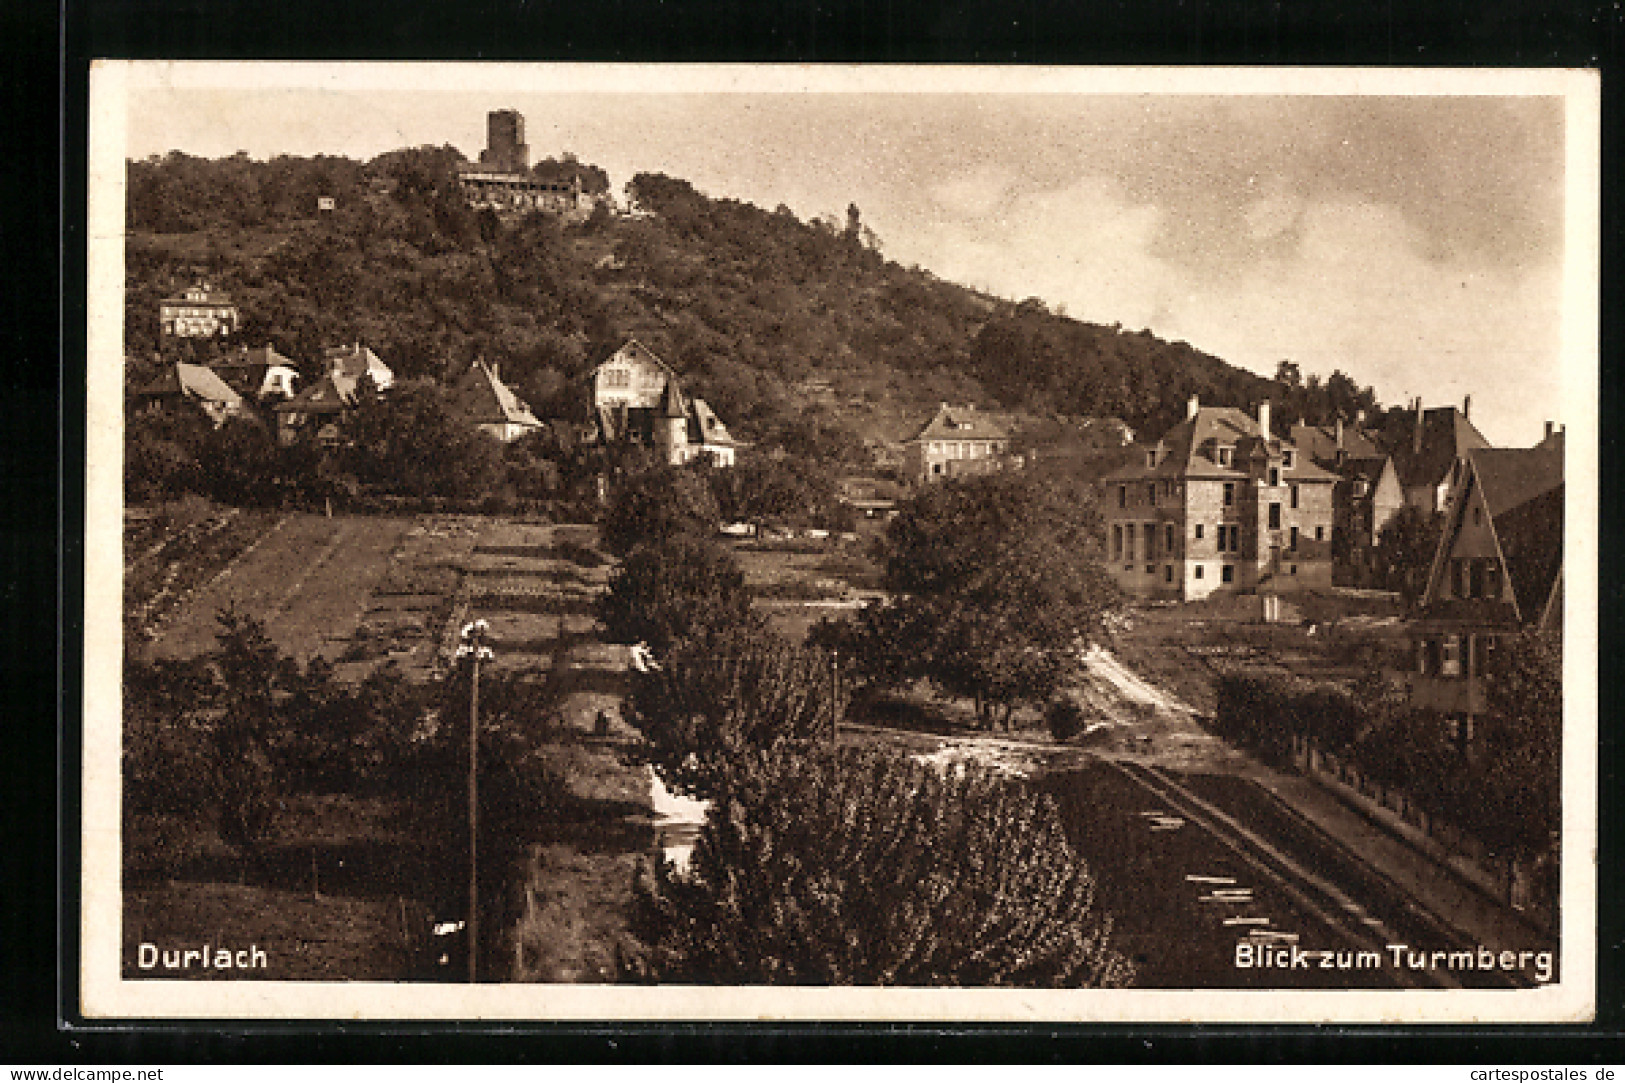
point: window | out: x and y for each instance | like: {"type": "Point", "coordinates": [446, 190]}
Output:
{"type": "Point", "coordinates": [1275, 515]}
{"type": "Point", "coordinates": [1275, 475]}
{"type": "Point", "coordinates": [1117, 541]}
{"type": "Point", "coordinates": [1286, 460]}
{"type": "Point", "coordinates": [1294, 496]}
{"type": "Point", "coordinates": [1168, 573]}
{"type": "Point", "coordinates": [1235, 539]}
{"type": "Point", "coordinates": [1294, 569]}
{"type": "Point", "coordinates": [936, 468]}
{"type": "Point", "coordinates": [1198, 531]}
{"type": "Point", "coordinates": [1292, 539]}
{"type": "Point", "coordinates": [1150, 533]}
{"type": "Point", "coordinates": [1151, 493]}
{"type": "Point", "coordinates": [1198, 572]}
{"type": "Point", "coordinates": [1229, 494]}
{"type": "Point", "coordinates": [1223, 538]}
{"type": "Point", "coordinates": [1320, 533]}
{"type": "Point", "coordinates": [1478, 515]}
{"type": "Point", "coordinates": [1492, 579]}
{"type": "Point", "coordinates": [1168, 538]}
{"type": "Point", "coordinates": [1128, 541]}
{"type": "Point", "coordinates": [1122, 496]}
{"type": "Point", "coordinates": [1224, 456]}
{"type": "Point", "coordinates": [1450, 657]}
{"type": "Point", "coordinates": [1151, 458]}
{"type": "Point", "coordinates": [1227, 574]}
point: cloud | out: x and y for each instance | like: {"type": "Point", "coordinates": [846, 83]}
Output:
{"type": "Point", "coordinates": [972, 195]}
{"type": "Point", "coordinates": [1334, 282]}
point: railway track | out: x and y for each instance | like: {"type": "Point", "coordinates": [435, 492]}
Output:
{"type": "Point", "coordinates": [1385, 914]}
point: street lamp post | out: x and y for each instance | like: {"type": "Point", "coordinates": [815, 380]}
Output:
{"type": "Point", "coordinates": [474, 649]}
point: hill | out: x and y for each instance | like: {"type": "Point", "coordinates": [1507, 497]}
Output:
{"type": "Point", "coordinates": [802, 334]}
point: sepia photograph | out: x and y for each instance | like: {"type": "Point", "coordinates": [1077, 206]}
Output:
{"type": "Point", "coordinates": [633, 542]}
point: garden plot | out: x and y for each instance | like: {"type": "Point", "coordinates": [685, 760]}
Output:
{"type": "Point", "coordinates": [796, 586]}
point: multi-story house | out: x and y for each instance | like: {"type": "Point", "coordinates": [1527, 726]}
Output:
{"type": "Point", "coordinates": [1365, 499]}
{"type": "Point", "coordinates": [198, 312]}
{"type": "Point", "coordinates": [1430, 460]}
{"type": "Point", "coordinates": [637, 398]}
{"type": "Point", "coordinates": [1218, 505]}
{"type": "Point", "coordinates": [1498, 571]}
{"type": "Point", "coordinates": [957, 442]}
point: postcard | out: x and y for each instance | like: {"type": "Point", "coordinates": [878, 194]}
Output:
{"type": "Point", "coordinates": [598, 543]}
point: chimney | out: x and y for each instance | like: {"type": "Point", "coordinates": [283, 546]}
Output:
{"type": "Point", "coordinates": [1339, 432]}
{"type": "Point", "coordinates": [1264, 418]}
{"type": "Point", "coordinates": [1548, 430]}
{"type": "Point", "coordinates": [1359, 419]}
{"type": "Point", "coordinates": [1416, 435]}
{"type": "Point", "coordinates": [1191, 407]}
{"type": "Point", "coordinates": [1467, 407]}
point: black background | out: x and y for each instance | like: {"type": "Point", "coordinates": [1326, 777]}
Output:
{"type": "Point", "coordinates": [44, 85]}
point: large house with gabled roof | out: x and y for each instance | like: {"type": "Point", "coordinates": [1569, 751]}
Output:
{"type": "Point", "coordinates": [1218, 505]}
{"type": "Point", "coordinates": [957, 441]}
{"type": "Point", "coordinates": [638, 399]}
{"type": "Point", "coordinates": [1498, 571]}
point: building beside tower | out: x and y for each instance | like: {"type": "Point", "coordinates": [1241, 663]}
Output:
{"type": "Point", "coordinates": [503, 181]}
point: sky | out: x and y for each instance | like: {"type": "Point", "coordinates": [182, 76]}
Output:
{"type": "Point", "coordinates": [1414, 241]}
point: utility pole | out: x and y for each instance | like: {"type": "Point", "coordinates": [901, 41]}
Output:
{"type": "Point", "coordinates": [834, 696]}
{"type": "Point", "coordinates": [474, 649]}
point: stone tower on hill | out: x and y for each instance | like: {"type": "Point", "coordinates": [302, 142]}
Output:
{"type": "Point", "coordinates": [506, 150]}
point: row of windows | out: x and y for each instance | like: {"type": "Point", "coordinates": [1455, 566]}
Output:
{"type": "Point", "coordinates": [1227, 535]}
{"type": "Point", "coordinates": [1170, 490]}
{"type": "Point", "coordinates": [1475, 578]}
{"type": "Point", "coordinates": [967, 449]}
{"type": "Point", "coordinates": [1227, 457]}
{"type": "Point", "coordinates": [1454, 655]}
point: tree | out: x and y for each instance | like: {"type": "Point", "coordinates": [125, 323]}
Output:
{"type": "Point", "coordinates": [252, 675]}
{"type": "Point", "coordinates": [730, 691]}
{"type": "Point", "coordinates": [1405, 550]}
{"type": "Point", "coordinates": [1522, 737]}
{"type": "Point", "coordinates": [657, 505]}
{"type": "Point", "coordinates": [667, 591]}
{"type": "Point", "coordinates": [866, 868]}
{"type": "Point", "coordinates": [412, 441]}
{"type": "Point", "coordinates": [999, 582]}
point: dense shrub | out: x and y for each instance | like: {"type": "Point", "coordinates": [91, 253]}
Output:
{"type": "Point", "coordinates": [719, 697]}
{"type": "Point", "coordinates": [864, 868]}
{"type": "Point", "coordinates": [1265, 712]}
{"type": "Point", "coordinates": [659, 505]}
{"type": "Point", "coordinates": [1065, 718]}
{"type": "Point", "coordinates": [664, 592]}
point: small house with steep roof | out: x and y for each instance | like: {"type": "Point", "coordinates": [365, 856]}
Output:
{"type": "Point", "coordinates": [196, 385]}
{"type": "Point", "coordinates": [314, 413]}
{"type": "Point", "coordinates": [355, 361]}
{"type": "Point", "coordinates": [1498, 571]}
{"type": "Point", "coordinates": [1430, 459]}
{"type": "Point", "coordinates": [258, 374]}
{"type": "Point", "coordinates": [492, 405]}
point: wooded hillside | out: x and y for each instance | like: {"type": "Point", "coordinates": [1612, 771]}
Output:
{"type": "Point", "coordinates": [801, 334]}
